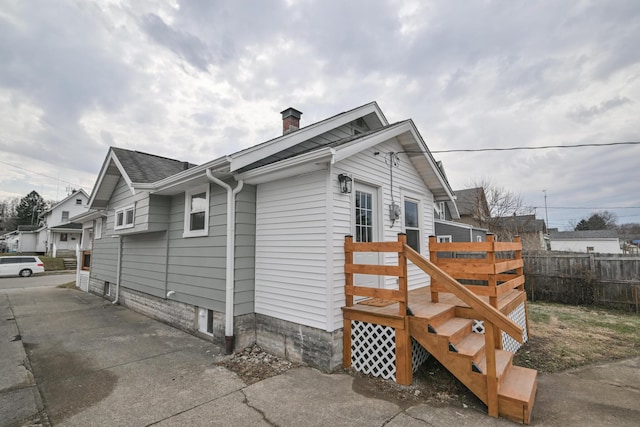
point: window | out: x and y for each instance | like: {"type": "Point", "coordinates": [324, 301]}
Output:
{"type": "Point", "coordinates": [196, 212]}
{"type": "Point", "coordinates": [479, 239]}
{"type": "Point", "coordinates": [440, 210]}
{"type": "Point", "coordinates": [444, 239]}
{"type": "Point", "coordinates": [364, 217]}
{"type": "Point", "coordinates": [64, 237]}
{"type": "Point", "coordinates": [124, 217]}
{"type": "Point", "coordinates": [98, 228]}
{"type": "Point", "coordinates": [78, 201]}
{"type": "Point", "coordinates": [590, 249]}
{"type": "Point", "coordinates": [65, 216]}
{"type": "Point", "coordinates": [412, 224]}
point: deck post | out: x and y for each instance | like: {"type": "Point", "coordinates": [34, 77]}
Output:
{"type": "Point", "coordinates": [433, 257]}
{"type": "Point", "coordinates": [519, 271]}
{"type": "Point", "coordinates": [492, 282]}
{"type": "Point", "coordinates": [492, 380]}
{"type": "Point", "coordinates": [346, 323]}
{"type": "Point", "coordinates": [404, 368]}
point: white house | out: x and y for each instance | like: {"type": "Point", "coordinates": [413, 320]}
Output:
{"type": "Point", "coordinates": [249, 246]}
{"type": "Point", "coordinates": [593, 241]}
{"type": "Point", "coordinates": [58, 235]}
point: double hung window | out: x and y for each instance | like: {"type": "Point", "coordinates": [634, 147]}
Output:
{"type": "Point", "coordinates": [125, 217]}
{"type": "Point", "coordinates": [196, 217]}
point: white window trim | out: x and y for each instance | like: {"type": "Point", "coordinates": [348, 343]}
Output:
{"type": "Point", "coordinates": [444, 239]}
{"type": "Point", "coordinates": [187, 212]}
{"type": "Point", "coordinates": [418, 201]}
{"type": "Point", "coordinates": [124, 211]}
{"type": "Point", "coordinates": [98, 229]}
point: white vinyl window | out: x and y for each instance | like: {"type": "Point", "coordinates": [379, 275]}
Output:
{"type": "Point", "coordinates": [196, 212]}
{"type": "Point", "coordinates": [125, 217]}
{"type": "Point", "coordinates": [65, 216]}
{"type": "Point", "coordinates": [98, 229]}
{"type": "Point", "coordinates": [412, 223]}
{"type": "Point", "coordinates": [444, 239]}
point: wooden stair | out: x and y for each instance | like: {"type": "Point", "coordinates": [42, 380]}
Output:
{"type": "Point", "coordinates": [451, 341]}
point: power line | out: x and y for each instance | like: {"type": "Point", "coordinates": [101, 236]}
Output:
{"type": "Point", "coordinates": [542, 147]}
{"type": "Point", "coordinates": [46, 176]}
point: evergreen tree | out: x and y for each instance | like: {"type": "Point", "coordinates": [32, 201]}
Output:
{"type": "Point", "coordinates": [29, 208]}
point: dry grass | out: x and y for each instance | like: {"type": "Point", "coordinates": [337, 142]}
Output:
{"type": "Point", "coordinates": [565, 337]}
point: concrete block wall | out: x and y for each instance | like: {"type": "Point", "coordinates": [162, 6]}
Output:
{"type": "Point", "coordinates": [298, 343]}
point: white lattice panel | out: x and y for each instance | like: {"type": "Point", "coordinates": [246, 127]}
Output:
{"type": "Point", "coordinates": [419, 354]}
{"type": "Point", "coordinates": [373, 349]}
{"type": "Point", "coordinates": [519, 317]}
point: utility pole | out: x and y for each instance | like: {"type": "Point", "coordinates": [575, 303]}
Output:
{"type": "Point", "coordinates": [546, 212]}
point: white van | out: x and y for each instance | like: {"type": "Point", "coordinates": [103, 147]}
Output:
{"type": "Point", "coordinates": [23, 266]}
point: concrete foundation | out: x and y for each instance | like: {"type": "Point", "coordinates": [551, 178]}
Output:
{"type": "Point", "coordinates": [298, 343]}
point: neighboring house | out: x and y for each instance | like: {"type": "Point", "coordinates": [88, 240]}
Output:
{"type": "Point", "coordinates": [532, 231]}
{"type": "Point", "coordinates": [473, 207]}
{"type": "Point", "coordinates": [58, 235]}
{"type": "Point", "coordinates": [449, 226]}
{"type": "Point", "coordinates": [22, 240]}
{"type": "Point", "coordinates": [591, 241]}
{"type": "Point", "coordinates": [249, 246]}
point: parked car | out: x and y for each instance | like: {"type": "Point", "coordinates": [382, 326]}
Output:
{"type": "Point", "coordinates": [23, 266]}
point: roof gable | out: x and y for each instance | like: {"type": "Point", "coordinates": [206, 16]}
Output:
{"type": "Point", "coordinates": [134, 167]}
{"type": "Point", "coordinates": [73, 195]}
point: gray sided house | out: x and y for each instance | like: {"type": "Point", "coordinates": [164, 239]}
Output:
{"type": "Point", "coordinates": [449, 225]}
{"type": "Point", "coordinates": [248, 248]}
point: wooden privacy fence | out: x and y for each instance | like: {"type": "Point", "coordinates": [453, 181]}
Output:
{"type": "Point", "coordinates": [607, 280]}
{"type": "Point", "coordinates": [498, 266]}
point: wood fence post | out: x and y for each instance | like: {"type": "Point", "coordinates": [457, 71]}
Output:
{"type": "Point", "coordinates": [492, 380]}
{"type": "Point", "coordinates": [519, 271]}
{"type": "Point", "coordinates": [492, 282]}
{"type": "Point", "coordinates": [403, 284]}
{"type": "Point", "coordinates": [404, 348]}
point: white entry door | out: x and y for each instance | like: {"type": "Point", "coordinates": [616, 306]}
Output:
{"type": "Point", "coordinates": [367, 229]}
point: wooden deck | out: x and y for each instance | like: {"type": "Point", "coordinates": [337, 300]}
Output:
{"type": "Point", "coordinates": [440, 317]}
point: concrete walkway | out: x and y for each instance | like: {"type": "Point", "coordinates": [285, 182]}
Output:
{"type": "Point", "coordinates": [99, 364]}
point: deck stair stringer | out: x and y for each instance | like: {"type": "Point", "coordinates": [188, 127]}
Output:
{"type": "Point", "coordinates": [451, 341]}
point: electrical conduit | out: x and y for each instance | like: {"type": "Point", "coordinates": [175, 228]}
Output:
{"type": "Point", "coordinates": [231, 262]}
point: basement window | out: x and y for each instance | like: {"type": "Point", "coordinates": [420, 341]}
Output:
{"type": "Point", "coordinates": [124, 217]}
{"type": "Point", "coordinates": [196, 212]}
{"type": "Point", "coordinates": [205, 320]}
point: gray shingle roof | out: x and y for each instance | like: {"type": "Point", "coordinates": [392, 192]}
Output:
{"type": "Point", "coordinates": [521, 223]}
{"type": "Point", "coordinates": [467, 199]}
{"type": "Point", "coordinates": [146, 168]}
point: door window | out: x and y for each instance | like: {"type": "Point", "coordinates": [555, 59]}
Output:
{"type": "Point", "coordinates": [364, 217]}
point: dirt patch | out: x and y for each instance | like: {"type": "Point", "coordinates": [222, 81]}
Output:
{"type": "Point", "coordinates": [254, 364]}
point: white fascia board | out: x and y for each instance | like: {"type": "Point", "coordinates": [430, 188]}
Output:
{"type": "Point", "coordinates": [366, 142]}
{"type": "Point", "coordinates": [64, 200]}
{"type": "Point", "coordinates": [251, 155]}
{"type": "Point", "coordinates": [123, 173]}
{"type": "Point", "coordinates": [316, 160]}
{"type": "Point", "coordinates": [111, 157]}
{"type": "Point", "coordinates": [185, 176]}
{"type": "Point", "coordinates": [87, 216]}
{"type": "Point", "coordinates": [443, 181]}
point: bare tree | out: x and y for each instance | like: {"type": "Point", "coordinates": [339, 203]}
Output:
{"type": "Point", "coordinates": [501, 211]}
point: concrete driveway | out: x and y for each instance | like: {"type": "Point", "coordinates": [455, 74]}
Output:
{"type": "Point", "coordinates": [92, 363]}
{"type": "Point", "coordinates": [36, 281]}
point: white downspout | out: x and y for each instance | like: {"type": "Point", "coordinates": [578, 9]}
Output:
{"type": "Point", "coordinates": [118, 269]}
{"type": "Point", "coordinates": [231, 261]}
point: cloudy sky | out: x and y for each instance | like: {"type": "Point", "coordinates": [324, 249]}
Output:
{"type": "Point", "coordinates": [194, 80]}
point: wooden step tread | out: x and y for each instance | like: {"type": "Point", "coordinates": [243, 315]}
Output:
{"type": "Point", "coordinates": [453, 326]}
{"type": "Point", "coordinates": [519, 384]}
{"type": "Point", "coordinates": [430, 310]}
{"type": "Point", "coordinates": [471, 345]}
{"type": "Point", "coordinates": [503, 361]}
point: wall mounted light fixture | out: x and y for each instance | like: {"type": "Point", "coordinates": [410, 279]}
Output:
{"type": "Point", "coordinates": [345, 183]}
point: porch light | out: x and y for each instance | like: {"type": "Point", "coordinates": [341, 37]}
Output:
{"type": "Point", "coordinates": [345, 183]}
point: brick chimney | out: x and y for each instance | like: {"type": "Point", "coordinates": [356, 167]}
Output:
{"type": "Point", "coordinates": [290, 120]}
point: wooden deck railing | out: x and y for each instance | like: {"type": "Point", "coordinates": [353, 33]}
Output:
{"type": "Point", "coordinates": [495, 321]}
{"type": "Point", "coordinates": [498, 265]}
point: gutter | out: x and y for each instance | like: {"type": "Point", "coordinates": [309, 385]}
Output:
{"type": "Point", "coordinates": [231, 261]}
